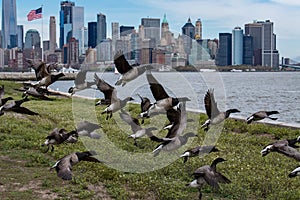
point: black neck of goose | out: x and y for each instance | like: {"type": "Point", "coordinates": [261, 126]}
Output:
{"type": "Point", "coordinates": [228, 112]}
{"type": "Point", "coordinates": [215, 162]}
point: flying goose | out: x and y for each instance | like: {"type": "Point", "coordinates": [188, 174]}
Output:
{"type": "Point", "coordinates": [128, 71]}
{"type": "Point", "coordinates": [58, 136]}
{"type": "Point", "coordinates": [285, 147]}
{"type": "Point", "coordinates": [208, 174]}
{"type": "Point", "coordinates": [15, 106]}
{"type": "Point", "coordinates": [145, 104]}
{"type": "Point", "coordinates": [261, 115]}
{"type": "Point", "coordinates": [137, 130]}
{"type": "Point", "coordinates": [196, 151]}
{"type": "Point", "coordinates": [36, 92]}
{"type": "Point", "coordinates": [48, 80]}
{"type": "Point", "coordinates": [212, 111]}
{"type": "Point", "coordinates": [41, 69]}
{"type": "Point", "coordinates": [295, 172]}
{"type": "Point", "coordinates": [106, 89]}
{"type": "Point", "coordinates": [64, 165]}
{"type": "Point", "coordinates": [163, 101]}
{"type": "Point", "coordinates": [86, 128]}
{"type": "Point", "coordinates": [80, 82]}
{"type": "Point", "coordinates": [171, 144]}
{"type": "Point", "coordinates": [2, 99]}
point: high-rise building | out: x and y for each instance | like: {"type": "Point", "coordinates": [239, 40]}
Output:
{"type": "Point", "coordinates": [264, 43]}
{"type": "Point", "coordinates": [164, 27]}
{"type": "Point", "coordinates": [248, 50]}
{"type": "Point", "coordinates": [188, 33]}
{"type": "Point", "coordinates": [126, 30]}
{"type": "Point", "coordinates": [20, 34]}
{"type": "Point", "coordinates": [152, 29]}
{"type": "Point", "coordinates": [66, 20]}
{"type": "Point", "coordinates": [9, 24]}
{"type": "Point", "coordinates": [52, 33]}
{"type": "Point", "coordinates": [92, 34]}
{"type": "Point", "coordinates": [198, 29]}
{"type": "Point", "coordinates": [32, 39]}
{"type": "Point", "coordinates": [78, 25]}
{"type": "Point", "coordinates": [115, 35]}
{"type": "Point", "coordinates": [101, 28]}
{"type": "Point", "coordinates": [223, 57]}
{"type": "Point", "coordinates": [237, 46]}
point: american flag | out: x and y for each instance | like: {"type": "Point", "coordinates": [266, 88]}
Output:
{"type": "Point", "coordinates": [35, 14]}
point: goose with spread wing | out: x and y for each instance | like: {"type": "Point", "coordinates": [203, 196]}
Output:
{"type": "Point", "coordinates": [215, 116]}
{"type": "Point", "coordinates": [80, 82]}
{"type": "Point", "coordinates": [129, 72]}
{"type": "Point", "coordinates": [208, 174]}
{"type": "Point", "coordinates": [260, 115]}
{"type": "Point", "coordinates": [86, 128]}
{"type": "Point", "coordinates": [15, 106]}
{"type": "Point", "coordinates": [163, 101]}
{"type": "Point", "coordinates": [106, 89]}
{"type": "Point", "coordinates": [2, 99]}
{"type": "Point", "coordinates": [64, 165]}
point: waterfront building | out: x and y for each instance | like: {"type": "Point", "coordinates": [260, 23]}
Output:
{"type": "Point", "coordinates": [20, 36]}
{"type": "Point", "coordinates": [52, 34]}
{"type": "Point", "coordinates": [188, 33]}
{"type": "Point", "coordinates": [66, 21]}
{"type": "Point", "coordinates": [126, 30]}
{"type": "Point", "coordinates": [198, 29]}
{"type": "Point", "coordinates": [115, 35]}
{"type": "Point", "coordinates": [247, 50]}
{"type": "Point", "coordinates": [72, 49]}
{"type": "Point", "coordinates": [92, 34]}
{"type": "Point", "coordinates": [224, 51]}
{"type": "Point", "coordinates": [32, 39]}
{"type": "Point", "coordinates": [101, 28]}
{"type": "Point", "coordinates": [151, 29]}
{"type": "Point", "coordinates": [237, 46]}
{"type": "Point", "coordinates": [104, 51]}
{"type": "Point", "coordinates": [9, 24]}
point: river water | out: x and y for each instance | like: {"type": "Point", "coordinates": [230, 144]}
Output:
{"type": "Point", "coordinates": [247, 91]}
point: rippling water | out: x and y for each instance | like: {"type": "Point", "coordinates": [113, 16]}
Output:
{"type": "Point", "coordinates": [247, 91]}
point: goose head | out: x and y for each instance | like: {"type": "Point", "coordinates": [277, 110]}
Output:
{"type": "Point", "coordinates": [266, 150]}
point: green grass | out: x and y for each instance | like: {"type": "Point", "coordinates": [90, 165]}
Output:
{"type": "Point", "coordinates": [24, 168]}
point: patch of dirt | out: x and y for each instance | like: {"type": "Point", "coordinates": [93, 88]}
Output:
{"type": "Point", "coordinates": [100, 192]}
{"type": "Point", "coordinates": [35, 186]}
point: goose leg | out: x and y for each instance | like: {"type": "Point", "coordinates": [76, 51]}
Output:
{"type": "Point", "coordinates": [52, 148]}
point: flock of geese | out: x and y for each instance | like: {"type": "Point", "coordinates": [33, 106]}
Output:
{"type": "Point", "coordinates": [173, 107]}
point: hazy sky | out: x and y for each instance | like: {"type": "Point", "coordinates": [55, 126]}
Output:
{"type": "Point", "coordinates": [216, 16]}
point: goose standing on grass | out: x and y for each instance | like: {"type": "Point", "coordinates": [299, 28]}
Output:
{"type": "Point", "coordinates": [2, 99]}
{"type": "Point", "coordinates": [86, 128]}
{"type": "Point", "coordinates": [261, 115]}
{"type": "Point", "coordinates": [59, 136]}
{"type": "Point", "coordinates": [295, 172]}
{"type": "Point", "coordinates": [106, 89]}
{"type": "Point", "coordinates": [285, 147]}
{"type": "Point", "coordinates": [80, 82]}
{"type": "Point", "coordinates": [197, 151]}
{"type": "Point", "coordinates": [64, 165]}
{"type": "Point", "coordinates": [15, 106]}
{"type": "Point", "coordinates": [208, 174]}
{"type": "Point", "coordinates": [212, 111]}
{"type": "Point", "coordinates": [129, 72]}
{"type": "Point", "coordinates": [163, 101]}
{"type": "Point", "coordinates": [137, 130]}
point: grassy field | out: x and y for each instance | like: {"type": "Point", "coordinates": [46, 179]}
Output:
{"type": "Point", "coordinates": [24, 167]}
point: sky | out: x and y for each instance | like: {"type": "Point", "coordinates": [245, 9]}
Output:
{"type": "Point", "coordinates": [216, 16]}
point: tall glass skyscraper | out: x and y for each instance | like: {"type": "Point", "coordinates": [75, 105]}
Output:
{"type": "Point", "coordinates": [65, 23]}
{"type": "Point", "coordinates": [101, 28]}
{"type": "Point", "coordinates": [9, 24]}
{"type": "Point", "coordinates": [237, 46]}
{"type": "Point", "coordinates": [152, 29]}
{"type": "Point", "coordinates": [92, 34]}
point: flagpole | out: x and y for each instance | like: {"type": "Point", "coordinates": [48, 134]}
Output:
{"type": "Point", "coordinates": [42, 35]}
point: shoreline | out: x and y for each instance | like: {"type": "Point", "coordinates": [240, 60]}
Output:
{"type": "Point", "coordinates": [29, 76]}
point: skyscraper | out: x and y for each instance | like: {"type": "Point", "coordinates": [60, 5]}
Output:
{"type": "Point", "coordinates": [237, 46]}
{"type": "Point", "coordinates": [78, 25]}
{"type": "Point", "coordinates": [115, 35]}
{"type": "Point", "coordinates": [164, 27]}
{"type": "Point", "coordinates": [188, 33]}
{"type": "Point", "coordinates": [9, 24]}
{"type": "Point", "coordinates": [264, 43]}
{"type": "Point", "coordinates": [223, 57]}
{"type": "Point", "coordinates": [248, 50]}
{"type": "Point", "coordinates": [92, 34]}
{"type": "Point", "coordinates": [151, 28]}
{"type": "Point", "coordinates": [198, 29]}
{"type": "Point", "coordinates": [101, 27]}
{"type": "Point", "coordinates": [65, 23]}
{"type": "Point", "coordinates": [20, 34]}
{"type": "Point", "coordinates": [32, 39]}
{"type": "Point", "coordinates": [52, 33]}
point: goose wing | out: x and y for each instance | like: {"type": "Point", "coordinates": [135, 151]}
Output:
{"type": "Point", "coordinates": [108, 90]}
{"type": "Point", "coordinates": [64, 167]}
{"type": "Point", "coordinates": [80, 77]}
{"type": "Point", "coordinates": [133, 122]}
{"type": "Point", "coordinates": [41, 71]}
{"type": "Point", "coordinates": [210, 104]}
{"type": "Point", "coordinates": [121, 63]}
{"type": "Point", "coordinates": [156, 88]}
{"type": "Point", "coordinates": [88, 126]}
{"type": "Point", "coordinates": [23, 110]}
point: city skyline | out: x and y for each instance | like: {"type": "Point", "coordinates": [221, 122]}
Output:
{"type": "Point", "coordinates": [129, 13]}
